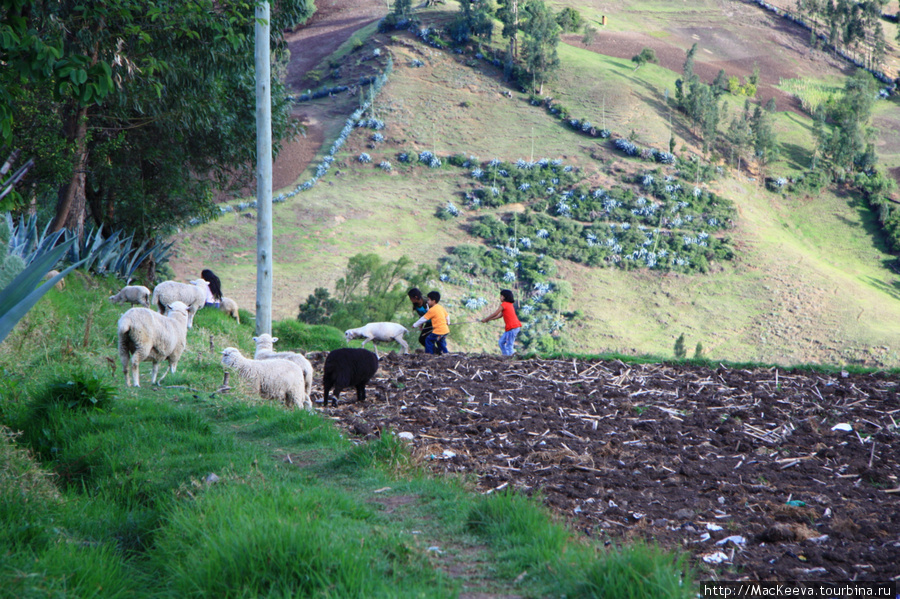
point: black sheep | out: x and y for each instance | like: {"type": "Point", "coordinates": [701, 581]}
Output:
{"type": "Point", "coordinates": [348, 367]}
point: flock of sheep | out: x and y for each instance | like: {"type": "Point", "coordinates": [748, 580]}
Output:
{"type": "Point", "coordinates": [144, 334]}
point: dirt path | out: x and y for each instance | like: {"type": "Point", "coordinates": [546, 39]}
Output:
{"type": "Point", "coordinates": [333, 23]}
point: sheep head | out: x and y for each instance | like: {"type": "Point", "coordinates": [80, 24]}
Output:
{"type": "Point", "coordinates": [265, 338]}
{"type": "Point", "coordinates": [177, 308]}
{"type": "Point", "coordinates": [229, 354]}
{"type": "Point", "coordinates": [352, 334]}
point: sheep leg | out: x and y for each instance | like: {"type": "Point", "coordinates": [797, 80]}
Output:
{"type": "Point", "coordinates": [361, 392]}
{"type": "Point", "coordinates": [399, 339]}
{"type": "Point", "coordinates": [154, 371]}
{"type": "Point", "coordinates": [125, 370]}
{"type": "Point", "coordinates": [134, 367]}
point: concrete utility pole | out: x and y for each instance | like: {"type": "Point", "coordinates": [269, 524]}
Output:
{"type": "Point", "coordinates": [263, 173]}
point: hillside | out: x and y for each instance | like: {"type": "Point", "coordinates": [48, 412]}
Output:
{"type": "Point", "coordinates": [810, 281]}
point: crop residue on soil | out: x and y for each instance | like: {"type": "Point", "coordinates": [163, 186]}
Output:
{"type": "Point", "coordinates": [739, 465]}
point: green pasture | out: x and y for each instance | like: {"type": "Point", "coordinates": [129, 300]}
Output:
{"type": "Point", "coordinates": [183, 490]}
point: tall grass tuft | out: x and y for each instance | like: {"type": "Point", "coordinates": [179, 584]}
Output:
{"type": "Point", "coordinates": [527, 540]}
{"type": "Point", "coordinates": [635, 571]}
{"type": "Point", "coordinates": [388, 452]}
{"type": "Point", "coordinates": [27, 494]}
{"type": "Point", "coordinates": [519, 529]}
{"type": "Point", "coordinates": [284, 542]}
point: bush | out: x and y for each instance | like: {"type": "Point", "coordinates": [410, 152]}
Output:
{"type": "Point", "coordinates": [298, 336]}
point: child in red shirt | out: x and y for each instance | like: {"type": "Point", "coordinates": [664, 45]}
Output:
{"type": "Point", "coordinates": [507, 310]}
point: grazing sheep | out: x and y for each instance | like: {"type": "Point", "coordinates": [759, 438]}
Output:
{"type": "Point", "coordinates": [379, 331]}
{"type": "Point", "coordinates": [133, 294]}
{"type": "Point", "coordinates": [193, 294]}
{"type": "Point", "coordinates": [265, 351]}
{"type": "Point", "coordinates": [230, 307]}
{"type": "Point", "coordinates": [348, 367]}
{"type": "Point", "coordinates": [145, 335]}
{"type": "Point", "coordinates": [60, 284]}
{"type": "Point", "coordinates": [281, 380]}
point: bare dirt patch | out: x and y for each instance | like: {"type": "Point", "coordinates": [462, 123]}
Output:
{"type": "Point", "coordinates": [776, 46]}
{"type": "Point", "coordinates": [734, 464]}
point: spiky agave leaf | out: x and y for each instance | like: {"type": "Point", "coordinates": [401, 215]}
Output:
{"type": "Point", "coordinates": [17, 298]}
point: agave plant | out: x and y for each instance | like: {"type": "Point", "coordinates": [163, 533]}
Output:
{"type": "Point", "coordinates": [114, 254]}
{"type": "Point", "coordinates": [17, 298]}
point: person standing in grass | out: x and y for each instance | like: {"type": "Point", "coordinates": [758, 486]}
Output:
{"type": "Point", "coordinates": [436, 341]}
{"type": "Point", "coordinates": [507, 310]}
{"type": "Point", "coordinates": [420, 308]}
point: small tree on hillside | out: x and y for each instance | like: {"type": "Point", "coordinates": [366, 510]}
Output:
{"type": "Point", "coordinates": [473, 20]}
{"type": "Point", "coordinates": [541, 42]}
{"type": "Point", "coordinates": [646, 55]}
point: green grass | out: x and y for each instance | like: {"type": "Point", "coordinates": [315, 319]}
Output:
{"type": "Point", "coordinates": [180, 490]}
{"type": "Point", "coordinates": [811, 94]}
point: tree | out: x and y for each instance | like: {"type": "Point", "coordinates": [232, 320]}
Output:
{"type": "Point", "coordinates": [739, 135]}
{"type": "Point", "coordinates": [841, 126]}
{"type": "Point", "coordinates": [541, 40]}
{"type": "Point", "coordinates": [402, 9]}
{"type": "Point", "coordinates": [508, 13]}
{"type": "Point", "coordinates": [720, 83]}
{"type": "Point", "coordinates": [765, 143]}
{"type": "Point", "coordinates": [646, 55]}
{"type": "Point", "coordinates": [473, 20]}
{"type": "Point", "coordinates": [569, 19]}
{"type": "Point", "coordinates": [152, 100]}
{"type": "Point", "coordinates": [680, 349]}
{"type": "Point", "coordinates": [687, 76]}
{"type": "Point", "coordinates": [371, 290]}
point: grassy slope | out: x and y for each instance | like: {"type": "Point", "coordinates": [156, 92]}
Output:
{"type": "Point", "coordinates": [123, 503]}
{"type": "Point", "coordinates": [810, 284]}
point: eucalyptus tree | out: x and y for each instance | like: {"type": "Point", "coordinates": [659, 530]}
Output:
{"type": "Point", "coordinates": [739, 135]}
{"type": "Point", "coordinates": [508, 13]}
{"type": "Point", "coordinates": [473, 21]}
{"type": "Point", "coordinates": [155, 101]}
{"type": "Point", "coordinates": [844, 138]}
{"type": "Point", "coordinates": [765, 142]}
{"type": "Point", "coordinates": [541, 41]}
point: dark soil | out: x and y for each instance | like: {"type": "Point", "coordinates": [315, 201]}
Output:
{"type": "Point", "coordinates": [729, 464]}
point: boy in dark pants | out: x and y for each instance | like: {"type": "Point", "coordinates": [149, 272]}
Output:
{"type": "Point", "coordinates": [420, 308]}
{"type": "Point", "coordinates": [436, 341]}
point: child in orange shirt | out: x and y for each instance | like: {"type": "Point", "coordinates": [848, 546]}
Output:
{"type": "Point", "coordinates": [440, 322]}
{"type": "Point", "coordinates": [507, 310]}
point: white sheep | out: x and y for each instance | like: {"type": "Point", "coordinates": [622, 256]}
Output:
{"type": "Point", "coordinates": [60, 284]}
{"type": "Point", "coordinates": [379, 331]}
{"type": "Point", "coordinates": [277, 379]}
{"type": "Point", "coordinates": [192, 294]}
{"type": "Point", "coordinates": [266, 351]}
{"type": "Point", "coordinates": [145, 335]}
{"type": "Point", "coordinates": [230, 307]}
{"type": "Point", "coordinates": [132, 294]}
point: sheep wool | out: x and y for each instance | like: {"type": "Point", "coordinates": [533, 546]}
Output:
{"type": "Point", "coordinates": [192, 294]}
{"type": "Point", "coordinates": [265, 351]}
{"type": "Point", "coordinates": [132, 294]}
{"type": "Point", "coordinates": [348, 367]}
{"type": "Point", "coordinates": [230, 307]}
{"type": "Point", "coordinates": [146, 335]}
{"type": "Point", "coordinates": [280, 380]}
{"type": "Point", "coordinates": [379, 331]}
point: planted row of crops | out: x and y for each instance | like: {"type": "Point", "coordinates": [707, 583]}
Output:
{"type": "Point", "coordinates": [657, 220]}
